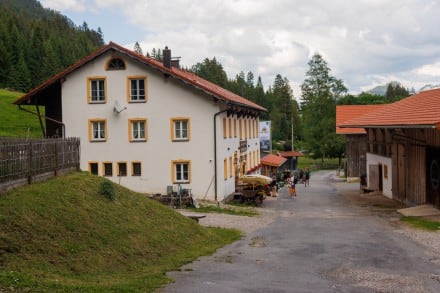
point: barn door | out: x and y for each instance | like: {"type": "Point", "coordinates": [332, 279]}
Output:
{"type": "Point", "coordinates": [433, 176]}
{"type": "Point", "coordinates": [373, 177]}
{"type": "Point", "coordinates": [401, 177]}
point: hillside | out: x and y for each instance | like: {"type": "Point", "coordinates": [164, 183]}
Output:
{"type": "Point", "coordinates": [15, 122]}
{"type": "Point", "coordinates": [36, 43]}
{"type": "Point", "coordinates": [63, 235]}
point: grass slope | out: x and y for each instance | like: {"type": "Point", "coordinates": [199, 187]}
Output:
{"type": "Point", "coordinates": [15, 122]}
{"type": "Point", "coordinates": [63, 235]}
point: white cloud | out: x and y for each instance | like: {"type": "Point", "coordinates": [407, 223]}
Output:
{"type": "Point", "coordinates": [364, 42]}
{"type": "Point", "coordinates": [429, 70]}
{"type": "Point", "coordinates": [63, 5]}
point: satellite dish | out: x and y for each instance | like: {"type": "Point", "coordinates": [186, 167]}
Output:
{"type": "Point", "coordinates": [118, 108]}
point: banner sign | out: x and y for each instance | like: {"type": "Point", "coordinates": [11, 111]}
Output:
{"type": "Point", "coordinates": [265, 136]}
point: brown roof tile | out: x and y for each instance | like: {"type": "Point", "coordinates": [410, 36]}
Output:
{"type": "Point", "coordinates": [184, 76]}
{"type": "Point", "coordinates": [418, 111]}
{"type": "Point", "coordinates": [273, 160]}
{"type": "Point", "coordinates": [348, 112]}
{"type": "Point", "coordinates": [290, 154]}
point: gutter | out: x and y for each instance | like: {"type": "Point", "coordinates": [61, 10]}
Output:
{"type": "Point", "coordinates": [426, 126]}
{"type": "Point", "coordinates": [215, 151]}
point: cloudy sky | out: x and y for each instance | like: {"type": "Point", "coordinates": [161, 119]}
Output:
{"type": "Point", "coordinates": [365, 42]}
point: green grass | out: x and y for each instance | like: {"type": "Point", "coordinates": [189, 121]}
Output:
{"type": "Point", "coordinates": [15, 122]}
{"type": "Point", "coordinates": [305, 162]}
{"type": "Point", "coordinates": [421, 223]}
{"type": "Point", "coordinates": [63, 235]}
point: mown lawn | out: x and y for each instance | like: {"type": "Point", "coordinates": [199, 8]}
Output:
{"type": "Point", "coordinates": [15, 122]}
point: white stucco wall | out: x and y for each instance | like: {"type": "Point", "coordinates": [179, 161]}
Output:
{"type": "Point", "coordinates": [387, 171]}
{"type": "Point", "coordinates": [167, 98]}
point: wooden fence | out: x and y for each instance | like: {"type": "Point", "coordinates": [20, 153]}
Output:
{"type": "Point", "coordinates": [26, 160]}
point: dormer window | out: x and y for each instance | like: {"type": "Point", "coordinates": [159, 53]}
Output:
{"type": "Point", "coordinates": [116, 64]}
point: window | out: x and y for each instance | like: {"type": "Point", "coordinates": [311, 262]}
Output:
{"type": "Point", "coordinates": [180, 129]}
{"type": "Point", "coordinates": [97, 130]}
{"type": "Point", "coordinates": [256, 129]}
{"type": "Point", "coordinates": [181, 171]}
{"type": "Point", "coordinates": [240, 128]}
{"type": "Point", "coordinates": [137, 129]}
{"type": "Point", "coordinates": [96, 90]}
{"type": "Point", "coordinates": [224, 128]}
{"type": "Point", "coordinates": [230, 167]}
{"type": "Point", "coordinates": [122, 169]}
{"type": "Point", "coordinates": [136, 169]}
{"type": "Point", "coordinates": [116, 64]}
{"type": "Point", "coordinates": [137, 89]}
{"type": "Point", "coordinates": [230, 127]}
{"type": "Point", "coordinates": [225, 169]}
{"type": "Point", "coordinates": [246, 129]}
{"type": "Point", "coordinates": [107, 169]}
{"type": "Point", "coordinates": [235, 127]}
{"type": "Point", "coordinates": [93, 168]}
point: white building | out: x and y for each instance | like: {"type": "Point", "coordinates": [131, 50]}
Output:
{"type": "Point", "coordinates": [148, 125]}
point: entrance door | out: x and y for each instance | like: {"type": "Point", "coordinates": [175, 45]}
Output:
{"type": "Point", "coordinates": [433, 176]}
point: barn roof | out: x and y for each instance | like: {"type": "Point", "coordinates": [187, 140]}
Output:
{"type": "Point", "coordinates": [290, 154]}
{"type": "Point", "coordinates": [346, 113]}
{"type": "Point", "coordinates": [182, 75]}
{"type": "Point", "coordinates": [418, 111]}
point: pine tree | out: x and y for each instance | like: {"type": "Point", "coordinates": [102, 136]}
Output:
{"type": "Point", "coordinates": [137, 48]}
{"type": "Point", "coordinates": [320, 91]}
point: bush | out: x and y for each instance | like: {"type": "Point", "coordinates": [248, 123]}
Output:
{"type": "Point", "coordinates": [108, 190]}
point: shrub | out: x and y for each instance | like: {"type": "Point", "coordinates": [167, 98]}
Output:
{"type": "Point", "coordinates": [108, 190]}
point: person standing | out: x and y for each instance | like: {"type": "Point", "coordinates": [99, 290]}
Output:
{"type": "Point", "coordinates": [307, 177]}
{"type": "Point", "coordinates": [273, 188]}
{"type": "Point", "coordinates": [292, 190]}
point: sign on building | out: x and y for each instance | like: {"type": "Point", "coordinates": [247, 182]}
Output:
{"type": "Point", "coordinates": [265, 136]}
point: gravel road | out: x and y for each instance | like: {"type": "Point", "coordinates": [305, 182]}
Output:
{"type": "Point", "coordinates": [330, 238]}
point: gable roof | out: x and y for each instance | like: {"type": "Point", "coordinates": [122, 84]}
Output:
{"type": "Point", "coordinates": [290, 154]}
{"type": "Point", "coordinates": [273, 160]}
{"type": "Point", "coordinates": [346, 113]}
{"type": "Point", "coordinates": [418, 111]}
{"type": "Point", "coordinates": [184, 76]}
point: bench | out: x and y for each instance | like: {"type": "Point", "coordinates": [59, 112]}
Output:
{"type": "Point", "coordinates": [195, 217]}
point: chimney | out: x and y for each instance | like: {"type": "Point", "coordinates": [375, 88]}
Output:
{"type": "Point", "coordinates": [166, 53]}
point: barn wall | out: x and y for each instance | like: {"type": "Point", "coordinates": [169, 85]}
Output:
{"type": "Point", "coordinates": [356, 149]}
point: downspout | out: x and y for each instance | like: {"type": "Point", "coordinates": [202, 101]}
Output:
{"type": "Point", "coordinates": [47, 118]}
{"type": "Point", "coordinates": [215, 152]}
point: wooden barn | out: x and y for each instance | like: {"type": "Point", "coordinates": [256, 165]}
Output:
{"type": "Point", "coordinates": [356, 146]}
{"type": "Point", "coordinates": [292, 159]}
{"type": "Point", "coordinates": [403, 148]}
{"type": "Point", "coordinates": [271, 165]}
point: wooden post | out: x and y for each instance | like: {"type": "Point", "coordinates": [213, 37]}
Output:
{"type": "Point", "coordinates": [30, 162]}
{"type": "Point", "coordinates": [56, 158]}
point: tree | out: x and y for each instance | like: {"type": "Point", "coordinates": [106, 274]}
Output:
{"type": "Point", "coordinates": [281, 97]}
{"type": "Point", "coordinates": [212, 71]}
{"type": "Point", "coordinates": [362, 99]}
{"type": "Point", "coordinates": [395, 92]}
{"type": "Point", "coordinates": [35, 43]}
{"type": "Point", "coordinates": [137, 48]}
{"type": "Point", "coordinates": [320, 91]}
